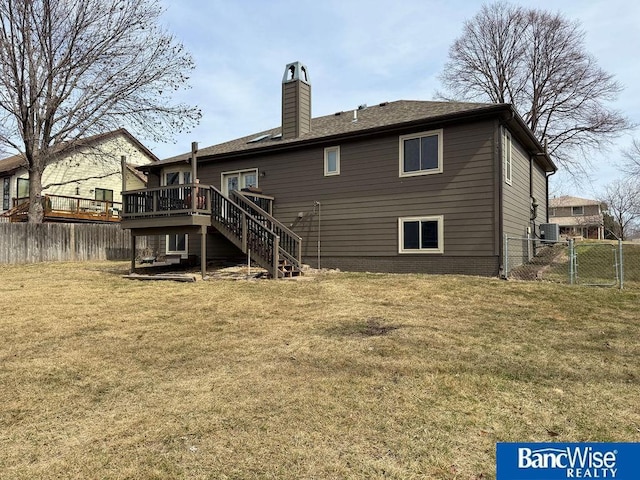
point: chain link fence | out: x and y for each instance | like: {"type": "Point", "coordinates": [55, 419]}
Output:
{"type": "Point", "coordinates": [596, 263]}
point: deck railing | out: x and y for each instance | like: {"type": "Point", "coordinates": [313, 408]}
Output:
{"type": "Point", "coordinates": [187, 199]}
{"type": "Point", "coordinates": [72, 208]}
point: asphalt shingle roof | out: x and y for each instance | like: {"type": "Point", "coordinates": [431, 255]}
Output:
{"type": "Point", "coordinates": [568, 201]}
{"type": "Point", "coordinates": [10, 164]}
{"type": "Point", "coordinates": [341, 123]}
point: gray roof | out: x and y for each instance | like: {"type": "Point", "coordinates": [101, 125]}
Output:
{"type": "Point", "coordinates": [341, 124]}
{"type": "Point", "coordinates": [569, 201]}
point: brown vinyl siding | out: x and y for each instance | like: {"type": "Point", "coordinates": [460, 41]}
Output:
{"type": "Point", "coordinates": [217, 245]}
{"type": "Point", "coordinates": [516, 197]}
{"type": "Point", "coordinates": [296, 109]}
{"type": "Point", "coordinates": [361, 206]}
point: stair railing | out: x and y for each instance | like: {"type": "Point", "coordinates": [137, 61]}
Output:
{"type": "Point", "coordinates": [246, 231]}
{"type": "Point", "coordinates": [290, 242]}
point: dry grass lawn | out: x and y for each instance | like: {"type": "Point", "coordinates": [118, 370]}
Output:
{"type": "Point", "coordinates": [341, 376]}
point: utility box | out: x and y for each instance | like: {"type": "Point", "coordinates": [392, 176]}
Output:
{"type": "Point", "coordinates": [550, 232]}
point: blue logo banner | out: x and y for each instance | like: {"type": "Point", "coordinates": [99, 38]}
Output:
{"type": "Point", "coordinates": [554, 461]}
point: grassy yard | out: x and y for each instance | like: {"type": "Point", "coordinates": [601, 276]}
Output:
{"type": "Point", "coordinates": [339, 376]}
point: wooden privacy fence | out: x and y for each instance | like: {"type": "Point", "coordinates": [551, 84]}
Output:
{"type": "Point", "coordinates": [60, 242]}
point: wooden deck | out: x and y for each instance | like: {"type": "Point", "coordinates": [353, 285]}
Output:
{"type": "Point", "coordinates": [58, 208]}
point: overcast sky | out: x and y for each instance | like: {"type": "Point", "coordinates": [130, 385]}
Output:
{"type": "Point", "coordinates": [359, 52]}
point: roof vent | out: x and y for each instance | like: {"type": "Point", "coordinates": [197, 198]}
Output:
{"type": "Point", "coordinates": [362, 107]}
{"type": "Point", "coordinates": [384, 104]}
{"type": "Point", "coordinates": [260, 138]}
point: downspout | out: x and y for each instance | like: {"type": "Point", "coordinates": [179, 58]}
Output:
{"type": "Point", "coordinates": [501, 240]}
{"type": "Point", "coordinates": [547, 178]}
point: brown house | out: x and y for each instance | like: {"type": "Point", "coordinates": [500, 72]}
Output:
{"type": "Point", "coordinates": [577, 217]}
{"type": "Point", "coordinates": [405, 186]}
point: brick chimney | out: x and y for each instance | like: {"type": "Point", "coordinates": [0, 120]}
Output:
{"type": "Point", "coordinates": [296, 101]}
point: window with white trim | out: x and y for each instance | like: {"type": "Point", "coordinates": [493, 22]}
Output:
{"type": "Point", "coordinates": [331, 161]}
{"type": "Point", "coordinates": [177, 243]}
{"type": "Point", "coordinates": [421, 153]}
{"type": "Point", "coordinates": [577, 211]}
{"type": "Point", "coordinates": [506, 153]}
{"type": "Point", "coordinates": [421, 234]}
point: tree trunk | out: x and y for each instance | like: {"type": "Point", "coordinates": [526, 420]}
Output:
{"type": "Point", "coordinates": [36, 210]}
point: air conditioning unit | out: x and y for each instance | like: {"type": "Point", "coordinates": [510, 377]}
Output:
{"type": "Point", "coordinates": [550, 232]}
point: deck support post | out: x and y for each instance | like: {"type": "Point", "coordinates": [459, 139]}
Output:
{"type": "Point", "coordinates": [203, 251]}
{"type": "Point", "coordinates": [133, 253]}
{"type": "Point", "coordinates": [194, 163]}
{"type": "Point", "coordinates": [276, 257]}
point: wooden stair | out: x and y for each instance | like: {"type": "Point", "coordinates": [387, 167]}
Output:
{"type": "Point", "coordinates": [255, 232]}
{"type": "Point", "coordinates": [288, 270]}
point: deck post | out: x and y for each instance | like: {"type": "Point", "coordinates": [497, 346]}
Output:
{"type": "Point", "coordinates": [244, 233]}
{"type": "Point", "coordinates": [133, 253]}
{"type": "Point", "coordinates": [123, 167]}
{"type": "Point", "coordinates": [194, 161]}
{"type": "Point", "coordinates": [203, 251]}
{"type": "Point", "coordinates": [276, 255]}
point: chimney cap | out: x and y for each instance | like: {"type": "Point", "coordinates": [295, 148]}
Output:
{"type": "Point", "coordinates": [296, 71]}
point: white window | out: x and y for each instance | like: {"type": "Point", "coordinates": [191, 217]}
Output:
{"type": "Point", "coordinates": [421, 153]}
{"type": "Point", "coordinates": [421, 234]}
{"type": "Point", "coordinates": [331, 161]}
{"type": "Point", "coordinates": [176, 177]}
{"type": "Point", "coordinates": [177, 243]}
{"type": "Point", "coordinates": [506, 153]}
{"type": "Point", "coordinates": [575, 211]}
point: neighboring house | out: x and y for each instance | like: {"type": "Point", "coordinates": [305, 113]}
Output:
{"type": "Point", "coordinates": [84, 184]}
{"type": "Point", "coordinates": [577, 217]}
{"type": "Point", "coordinates": [405, 186]}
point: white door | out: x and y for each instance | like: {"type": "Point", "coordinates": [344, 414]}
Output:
{"type": "Point", "coordinates": [239, 180]}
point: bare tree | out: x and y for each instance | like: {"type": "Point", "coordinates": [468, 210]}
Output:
{"type": "Point", "coordinates": [536, 61]}
{"type": "Point", "coordinates": [73, 68]}
{"type": "Point", "coordinates": [622, 198]}
{"type": "Point", "coordinates": [632, 158]}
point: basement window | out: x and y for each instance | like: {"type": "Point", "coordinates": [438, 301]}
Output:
{"type": "Point", "coordinates": [421, 234]}
{"type": "Point", "coordinates": [421, 153]}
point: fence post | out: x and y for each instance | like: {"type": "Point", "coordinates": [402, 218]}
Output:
{"type": "Point", "coordinates": [572, 260]}
{"type": "Point", "coordinates": [621, 260]}
{"type": "Point", "coordinates": [506, 256]}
